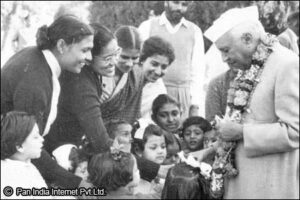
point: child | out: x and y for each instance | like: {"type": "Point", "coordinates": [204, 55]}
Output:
{"type": "Point", "coordinates": [193, 131]}
{"type": "Point", "coordinates": [185, 182]}
{"type": "Point", "coordinates": [166, 113]}
{"type": "Point", "coordinates": [73, 159]}
{"type": "Point", "coordinates": [20, 142]}
{"type": "Point", "coordinates": [150, 144]}
{"type": "Point", "coordinates": [116, 172]}
{"type": "Point", "coordinates": [121, 130]}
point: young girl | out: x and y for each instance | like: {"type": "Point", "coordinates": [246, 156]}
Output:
{"type": "Point", "coordinates": [185, 182]}
{"type": "Point", "coordinates": [116, 172]}
{"type": "Point", "coordinates": [150, 144]}
{"type": "Point", "coordinates": [20, 142]}
{"type": "Point", "coordinates": [73, 159]}
{"type": "Point", "coordinates": [121, 130]}
{"type": "Point", "coordinates": [166, 113]}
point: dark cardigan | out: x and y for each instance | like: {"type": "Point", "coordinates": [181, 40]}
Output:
{"type": "Point", "coordinates": [79, 113]}
{"type": "Point", "coordinates": [216, 97]}
{"type": "Point", "coordinates": [26, 85]}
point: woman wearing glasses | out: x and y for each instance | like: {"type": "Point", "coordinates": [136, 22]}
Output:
{"type": "Point", "coordinates": [79, 112]}
{"type": "Point", "coordinates": [133, 72]}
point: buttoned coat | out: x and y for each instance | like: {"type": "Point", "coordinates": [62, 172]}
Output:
{"type": "Point", "coordinates": [268, 155]}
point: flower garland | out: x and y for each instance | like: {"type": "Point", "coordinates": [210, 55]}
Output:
{"type": "Point", "coordinates": [238, 100]}
{"type": "Point", "coordinates": [242, 87]}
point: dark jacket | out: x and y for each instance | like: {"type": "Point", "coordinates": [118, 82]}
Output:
{"type": "Point", "coordinates": [79, 112]}
{"type": "Point", "coordinates": [216, 97]}
{"type": "Point", "coordinates": [26, 85]}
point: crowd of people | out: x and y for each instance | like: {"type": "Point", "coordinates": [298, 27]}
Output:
{"type": "Point", "coordinates": [127, 112]}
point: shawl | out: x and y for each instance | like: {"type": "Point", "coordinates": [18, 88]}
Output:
{"type": "Point", "coordinates": [127, 103]}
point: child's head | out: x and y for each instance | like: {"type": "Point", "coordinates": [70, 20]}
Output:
{"type": "Point", "coordinates": [112, 171]}
{"type": "Point", "coordinates": [151, 145]}
{"type": "Point", "coordinates": [20, 136]}
{"type": "Point", "coordinates": [166, 112]}
{"type": "Point", "coordinates": [193, 130]}
{"type": "Point", "coordinates": [130, 41]}
{"type": "Point", "coordinates": [73, 159]}
{"type": "Point", "coordinates": [121, 130]}
{"type": "Point", "coordinates": [185, 182]}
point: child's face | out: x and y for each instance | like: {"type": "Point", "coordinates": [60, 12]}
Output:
{"type": "Point", "coordinates": [32, 146]}
{"type": "Point", "coordinates": [193, 137]}
{"type": "Point", "coordinates": [209, 138]}
{"type": "Point", "coordinates": [81, 170]}
{"type": "Point", "coordinates": [168, 117]}
{"type": "Point", "coordinates": [123, 135]}
{"type": "Point", "coordinates": [155, 149]}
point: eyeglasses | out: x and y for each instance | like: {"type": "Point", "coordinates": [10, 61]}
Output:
{"type": "Point", "coordinates": [109, 58]}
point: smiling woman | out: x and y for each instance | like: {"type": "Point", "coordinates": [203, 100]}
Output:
{"type": "Point", "coordinates": [79, 111]}
{"type": "Point", "coordinates": [156, 56]}
{"type": "Point", "coordinates": [29, 81]}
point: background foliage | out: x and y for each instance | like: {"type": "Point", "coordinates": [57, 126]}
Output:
{"type": "Point", "coordinates": [115, 13]}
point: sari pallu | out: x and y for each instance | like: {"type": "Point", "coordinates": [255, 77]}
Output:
{"type": "Point", "coordinates": [127, 103]}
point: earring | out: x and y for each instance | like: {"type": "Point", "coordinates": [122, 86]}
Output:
{"type": "Point", "coordinates": [20, 149]}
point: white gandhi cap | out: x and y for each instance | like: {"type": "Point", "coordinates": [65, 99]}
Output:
{"type": "Point", "coordinates": [229, 20]}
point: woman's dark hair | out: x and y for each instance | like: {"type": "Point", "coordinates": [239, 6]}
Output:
{"type": "Point", "coordinates": [151, 129]}
{"type": "Point", "coordinates": [185, 182]}
{"type": "Point", "coordinates": [159, 102]}
{"type": "Point", "coordinates": [157, 46]}
{"type": "Point", "coordinates": [67, 27]}
{"type": "Point", "coordinates": [128, 37]}
{"type": "Point", "coordinates": [196, 120]}
{"type": "Point", "coordinates": [102, 37]}
{"type": "Point", "coordinates": [109, 172]}
{"type": "Point", "coordinates": [15, 128]}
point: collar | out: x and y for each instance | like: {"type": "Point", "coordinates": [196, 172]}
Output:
{"type": "Point", "coordinates": [12, 162]}
{"type": "Point", "coordinates": [52, 62]}
{"type": "Point", "coordinates": [163, 20]}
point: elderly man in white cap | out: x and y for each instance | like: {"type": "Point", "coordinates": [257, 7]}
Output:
{"type": "Point", "coordinates": [262, 108]}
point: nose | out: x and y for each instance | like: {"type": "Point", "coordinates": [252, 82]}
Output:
{"type": "Point", "coordinates": [42, 139]}
{"type": "Point", "coordinates": [225, 57]}
{"type": "Point", "coordinates": [193, 135]}
{"type": "Point", "coordinates": [113, 60]}
{"type": "Point", "coordinates": [158, 71]}
{"type": "Point", "coordinates": [170, 118]}
{"type": "Point", "coordinates": [129, 62]}
{"type": "Point", "coordinates": [161, 150]}
{"type": "Point", "coordinates": [88, 56]}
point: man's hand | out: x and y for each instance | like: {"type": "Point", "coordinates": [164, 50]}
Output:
{"type": "Point", "coordinates": [229, 131]}
{"type": "Point", "coordinates": [163, 170]}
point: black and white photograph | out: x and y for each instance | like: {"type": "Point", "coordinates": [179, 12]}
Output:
{"type": "Point", "coordinates": [149, 100]}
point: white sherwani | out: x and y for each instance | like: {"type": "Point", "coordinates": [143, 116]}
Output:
{"type": "Point", "coordinates": [268, 156]}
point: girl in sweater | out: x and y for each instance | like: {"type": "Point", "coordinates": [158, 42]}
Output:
{"type": "Point", "coordinates": [149, 143]}
{"type": "Point", "coordinates": [20, 142]}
